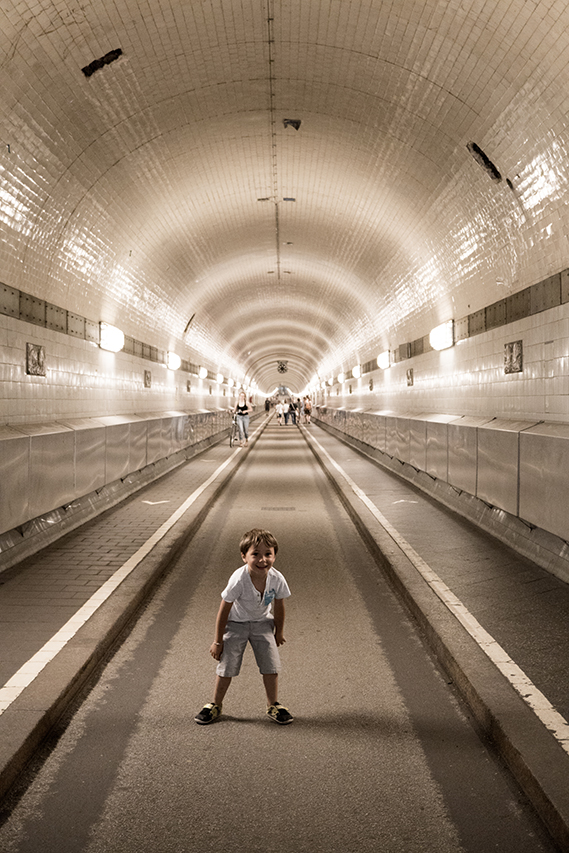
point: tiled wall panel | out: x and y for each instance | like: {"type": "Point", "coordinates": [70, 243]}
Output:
{"type": "Point", "coordinates": [52, 473]}
{"type": "Point", "coordinates": [46, 466]}
{"type": "Point", "coordinates": [544, 477]}
{"type": "Point", "coordinates": [463, 453]}
{"type": "Point", "coordinates": [514, 466]}
{"type": "Point", "coordinates": [498, 463]}
{"type": "Point", "coordinates": [14, 470]}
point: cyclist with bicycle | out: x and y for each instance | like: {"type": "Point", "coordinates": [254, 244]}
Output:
{"type": "Point", "coordinates": [242, 410]}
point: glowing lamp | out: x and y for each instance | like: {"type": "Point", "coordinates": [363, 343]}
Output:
{"type": "Point", "coordinates": [110, 338]}
{"type": "Point", "coordinates": [356, 371]}
{"type": "Point", "coordinates": [383, 360]}
{"type": "Point", "coordinates": [203, 373]}
{"type": "Point", "coordinates": [442, 337]}
{"type": "Point", "coordinates": [341, 377]}
{"type": "Point", "coordinates": [173, 361]}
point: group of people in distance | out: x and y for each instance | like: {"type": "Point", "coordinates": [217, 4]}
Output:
{"type": "Point", "coordinates": [297, 410]}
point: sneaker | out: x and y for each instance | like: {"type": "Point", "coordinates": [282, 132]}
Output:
{"type": "Point", "coordinates": [280, 714]}
{"type": "Point", "coordinates": [208, 714]}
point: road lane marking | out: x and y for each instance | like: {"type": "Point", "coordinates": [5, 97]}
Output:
{"type": "Point", "coordinates": [538, 702]}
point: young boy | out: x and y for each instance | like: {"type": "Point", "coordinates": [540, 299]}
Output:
{"type": "Point", "coordinates": [245, 616]}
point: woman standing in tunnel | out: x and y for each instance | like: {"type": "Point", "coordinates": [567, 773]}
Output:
{"type": "Point", "coordinates": [242, 410]}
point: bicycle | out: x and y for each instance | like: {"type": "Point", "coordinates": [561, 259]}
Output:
{"type": "Point", "coordinates": [233, 432]}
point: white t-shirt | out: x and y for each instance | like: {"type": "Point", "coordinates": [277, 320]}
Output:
{"type": "Point", "coordinates": [249, 605]}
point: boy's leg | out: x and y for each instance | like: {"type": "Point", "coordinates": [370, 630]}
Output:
{"type": "Point", "coordinates": [277, 712]}
{"type": "Point", "coordinates": [271, 682]}
{"type": "Point", "coordinates": [268, 660]}
{"type": "Point", "coordinates": [222, 683]}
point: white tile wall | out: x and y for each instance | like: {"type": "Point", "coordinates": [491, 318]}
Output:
{"type": "Point", "coordinates": [469, 379]}
{"type": "Point", "coordinates": [84, 381]}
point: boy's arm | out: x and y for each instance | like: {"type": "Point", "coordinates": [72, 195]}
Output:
{"type": "Point", "coordinates": [216, 647]}
{"type": "Point", "coordinates": [279, 616]}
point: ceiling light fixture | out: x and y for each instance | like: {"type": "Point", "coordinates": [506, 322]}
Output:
{"type": "Point", "coordinates": [442, 337]}
{"type": "Point", "coordinates": [110, 338]}
{"type": "Point", "coordinates": [174, 362]}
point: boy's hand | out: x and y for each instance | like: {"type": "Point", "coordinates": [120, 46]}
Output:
{"type": "Point", "coordinates": [279, 639]}
{"type": "Point", "coordinates": [215, 650]}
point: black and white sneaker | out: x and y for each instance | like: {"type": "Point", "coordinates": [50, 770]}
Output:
{"type": "Point", "coordinates": [279, 714]}
{"type": "Point", "coordinates": [208, 714]}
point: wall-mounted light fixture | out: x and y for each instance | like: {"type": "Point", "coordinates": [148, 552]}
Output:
{"type": "Point", "coordinates": [383, 360]}
{"type": "Point", "coordinates": [331, 381]}
{"type": "Point", "coordinates": [110, 338]}
{"type": "Point", "coordinates": [173, 361]}
{"type": "Point", "coordinates": [442, 337]}
{"type": "Point", "coordinates": [341, 377]}
{"type": "Point", "coordinates": [220, 378]}
{"type": "Point", "coordinates": [230, 382]}
{"type": "Point", "coordinates": [356, 371]}
{"type": "Point", "coordinates": [203, 373]}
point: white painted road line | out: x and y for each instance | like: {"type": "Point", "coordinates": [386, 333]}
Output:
{"type": "Point", "coordinates": [32, 668]}
{"type": "Point", "coordinates": [540, 705]}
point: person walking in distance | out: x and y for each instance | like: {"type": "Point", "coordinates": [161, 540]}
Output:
{"type": "Point", "coordinates": [242, 409]}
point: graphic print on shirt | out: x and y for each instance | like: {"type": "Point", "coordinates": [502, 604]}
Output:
{"type": "Point", "coordinates": [269, 596]}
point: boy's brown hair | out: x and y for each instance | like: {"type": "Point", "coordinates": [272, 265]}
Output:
{"type": "Point", "coordinates": [253, 538]}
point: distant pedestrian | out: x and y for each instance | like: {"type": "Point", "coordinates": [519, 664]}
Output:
{"type": "Point", "coordinates": [242, 409]}
{"type": "Point", "coordinates": [307, 409]}
{"type": "Point", "coordinates": [280, 408]}
{"type": "Point", "coordinates": [245, 615]}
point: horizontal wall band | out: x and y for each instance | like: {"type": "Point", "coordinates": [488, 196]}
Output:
{"type": "Point", "coordinates": [548, 293]}
{"type": "Point", "coordinates": [16, 303]}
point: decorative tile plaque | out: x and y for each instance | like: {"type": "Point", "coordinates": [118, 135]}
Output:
{"type": "Point", "coordinates": [513, 357]}
{"type": "Point", "coordinates": [35, 360]}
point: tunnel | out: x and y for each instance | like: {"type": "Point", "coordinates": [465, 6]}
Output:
{"type": "Point", "coordinates": [363, 203]}
{"type": "Point", "coordinates": [360, 203]}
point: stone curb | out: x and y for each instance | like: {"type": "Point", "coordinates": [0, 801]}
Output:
{"type": "Point", "coordinates": [535, 758]}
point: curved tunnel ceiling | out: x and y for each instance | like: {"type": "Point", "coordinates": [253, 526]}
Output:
{"type": "Point", "coordinates": [176, 182]}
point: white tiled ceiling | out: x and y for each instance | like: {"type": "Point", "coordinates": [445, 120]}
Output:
{"type": "Point", "coordinates": [155, 189]}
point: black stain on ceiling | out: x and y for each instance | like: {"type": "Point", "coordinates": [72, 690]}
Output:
{"type": "Point", "coordinates": [109, 57]}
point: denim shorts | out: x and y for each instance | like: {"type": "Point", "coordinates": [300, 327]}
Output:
{"type": "Point", "coordinates": [262, 639]}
